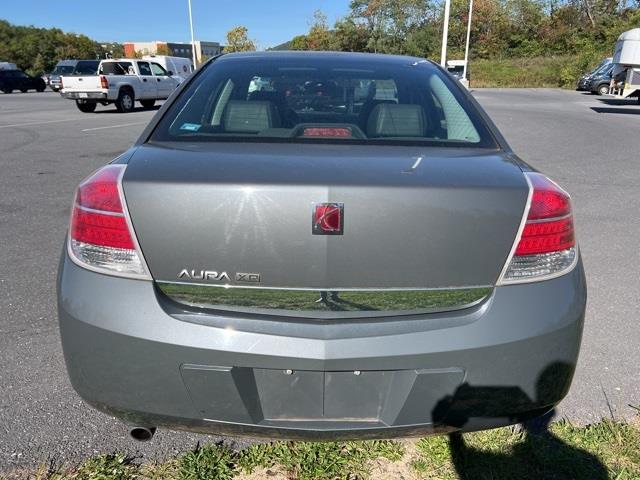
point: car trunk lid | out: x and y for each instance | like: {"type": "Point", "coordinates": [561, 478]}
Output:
{"type": "Point", "coordinates": [241, 214]}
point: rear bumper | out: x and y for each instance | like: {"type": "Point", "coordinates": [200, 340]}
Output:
{"type": "Point", "coordinates": [84, 95]}
{"type": "Point", "coordinates": [134, 354]}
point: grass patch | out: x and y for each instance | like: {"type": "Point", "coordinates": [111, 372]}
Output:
{"type": "Point", "coordinates": [596, 452]}
{"type": "Point", "coordinates": [534, 72]}
{"type": "Point", "coordinates": [565, 452]}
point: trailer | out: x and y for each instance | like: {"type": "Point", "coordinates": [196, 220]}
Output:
{"type": "Point", "coordinates": [625, 79]}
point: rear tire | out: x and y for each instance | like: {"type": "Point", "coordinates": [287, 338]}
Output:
{"type": "Point", "coordinates": [7, 90]}
{"type": "Point", "coordinates": [24, 90]}
{"type": "Point", "coordinates": [41, 89]}
{"type": "Point", "coordinates": [125, 101]}
{"type": "Point", "coordinates": [147, 103]}
{"type": "Point", "coordinates": [86, 107]}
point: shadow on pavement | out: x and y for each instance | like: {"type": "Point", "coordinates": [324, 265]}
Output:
{"type": "Point", "coordinates": [617, 111]}
{"type": "Point", "coordinates": [618, 101]}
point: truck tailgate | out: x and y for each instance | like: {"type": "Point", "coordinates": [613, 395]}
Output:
{"type": "Point", "coordinates": [89, 83]}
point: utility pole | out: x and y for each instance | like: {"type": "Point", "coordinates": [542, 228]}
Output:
{"type": "Point", "coordinates": [445, 33]}
{"type": "Point", "coordinates": [466, 50]}
{"type": "Point", "coordinates": [193, 40]}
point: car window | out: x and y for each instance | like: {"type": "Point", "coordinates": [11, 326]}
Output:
{"type": "Point", "coordinates": [300, 102]}
{"type": "Point", "coordinates": [116, 68]}
{"type": "Point", "coordinates": [63, 70]}
{"type": "Point", "coordinates": [158, 70]}
{"type": "Point", "coordinates": [144, 68]}
{"type": "Point", "coordinates": [86, 68]}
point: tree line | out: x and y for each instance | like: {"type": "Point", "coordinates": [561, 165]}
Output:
{"type": "Point", "coordinates": [37, 50]}
{"type": "Point", "coordinates": [500, 28]}
{"type": "Point", "coordinates": [583, 30]}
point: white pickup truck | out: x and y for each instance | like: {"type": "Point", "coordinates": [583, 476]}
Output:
{"type": "Point", "coordinates": [122, 82]}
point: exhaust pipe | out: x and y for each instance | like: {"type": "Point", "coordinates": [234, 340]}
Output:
{"type": "Point", "coordinates": [142, 434]}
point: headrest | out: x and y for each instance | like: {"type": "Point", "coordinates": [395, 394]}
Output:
{"type": "Point", "coordinates": [249, 117]}
{"type": "Point", "coordinates": [393, 120]}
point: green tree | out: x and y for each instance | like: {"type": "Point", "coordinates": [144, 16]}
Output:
{"type": "Point", "coordinates": [351, 36]}
{"type": "Point", "coordinates": [299, 42]}
{"type": "Point", "coordinates": [238, 40]}
{"type": "Point", "coordinates": [390, 22]}
{"type": "Point", "coordinates": [319, 36]}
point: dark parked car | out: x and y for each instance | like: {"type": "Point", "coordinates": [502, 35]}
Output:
{"type": "Point", "coordinates": [289, 250]}
{"type": "Point", "coordinates": [584, 81]}
{"type": "Point", "coordinates": [70, 68]}
{"type": "Point", "coordinates": [11, 80]}
{"type": "Point", "coordinates": [599, 83]}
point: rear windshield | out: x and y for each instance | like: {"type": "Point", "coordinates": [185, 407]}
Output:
{"type": "Point", "coordinates": [116, 68]}
{"type": "Point", "coordinates": [86, 68]}
{"type": "Point", "coordinates": [63, 70]}
{"type": "Point", "coordinates": [312, 100]}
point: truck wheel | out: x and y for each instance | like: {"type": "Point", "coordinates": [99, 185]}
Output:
{"type": "Point", "coordinates": [603, 89]}
{"type": "Point", "coordinates": [125, 100]}
{"type": "Point", "coordinates": [7, 90]}
{"type": "Point", "coordinates": [24, 90]}
{"type": "Point", "coordinates": [148, 103]}
{"type": "Point", "coordinates": [86, 107]}
{"type": "Point", "coordinates": [41, 89]}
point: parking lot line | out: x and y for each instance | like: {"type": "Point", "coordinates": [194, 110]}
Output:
{"type": "Point", "coordinates": [114, 126]}
{"type": "Point", "coordinates": [30, 124]}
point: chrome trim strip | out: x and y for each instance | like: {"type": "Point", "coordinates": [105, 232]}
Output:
{"type": "Point", "coordinates": [99, 212]}
{"type": "Point", "coordinates": [319, 289]}
{"type": "Point", "coordinates": [523, 222]}
{"type": "Point", "coordinates": [316, 303]}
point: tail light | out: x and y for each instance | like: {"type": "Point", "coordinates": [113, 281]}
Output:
{"type": "Point", "coordinates": [101, 237]}
{"type": "Point", "coordinates": [104, 82]}
{"type": "Point", "coordinates": [545, 246]}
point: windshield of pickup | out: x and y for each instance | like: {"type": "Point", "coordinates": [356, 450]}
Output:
{"type": "Point", "coordinates": [324, 98]}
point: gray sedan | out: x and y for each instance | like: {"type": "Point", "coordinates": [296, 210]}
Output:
{"type": "Point", "coordinates": [321, 245]}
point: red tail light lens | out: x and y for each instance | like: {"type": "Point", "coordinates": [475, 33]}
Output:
{"type": "Point", "coordinates": [104, 82]}
{"type": "Point", "coordinates": [546, 237]}
{"type": "Point", "coordinates": [548, 200]}
{"type": "Point", "coordinates": [100, 236]}
{"type": "Point", "coordinates": [99, 229]}
{"type": "Point", "coordinates": [546, 244]}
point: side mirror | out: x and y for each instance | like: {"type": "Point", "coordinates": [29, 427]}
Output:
{"type": "Point", "coordinates": [170, 73]}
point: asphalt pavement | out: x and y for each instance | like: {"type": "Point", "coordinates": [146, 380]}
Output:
{"type": "Point", "coordinates": [589, 145]}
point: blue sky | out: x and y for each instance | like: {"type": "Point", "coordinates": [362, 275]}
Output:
{"type": "Point", "coordinates": [270, 22]}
